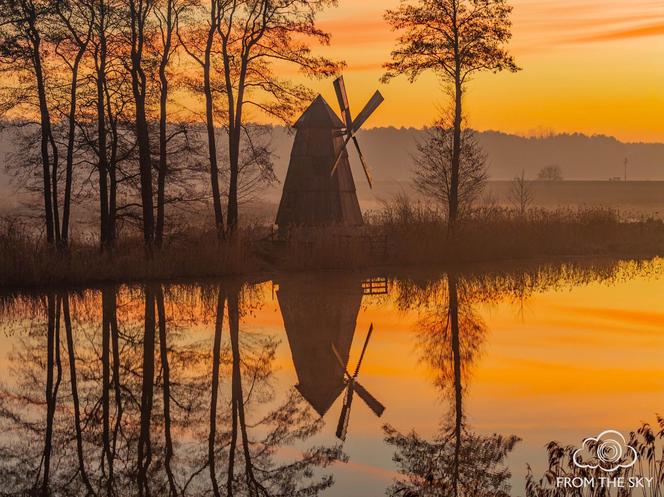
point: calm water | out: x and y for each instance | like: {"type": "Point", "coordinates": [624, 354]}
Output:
{"type": "Point", "coordinates": [240, 389]}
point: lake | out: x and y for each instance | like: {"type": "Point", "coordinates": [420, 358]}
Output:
{"type": "Point", "coordinates": [277, 387]}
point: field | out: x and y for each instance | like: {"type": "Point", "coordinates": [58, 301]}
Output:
{"type": "Point", "coordinates": [632, 199]}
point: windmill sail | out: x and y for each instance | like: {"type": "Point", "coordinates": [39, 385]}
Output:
{"type": "Point", "coordinates": [353, 386]}
{"type": "Point", "coordinates": [353, 126]}
{"type": "Point", "coordinates": [373, 103]}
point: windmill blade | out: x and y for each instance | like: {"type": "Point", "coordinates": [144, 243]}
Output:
{"type": "Point", "coordinates": [341, 362]}
{"type": "Point", "coordinates": [342, 98]}
{"type": "Point", "coordinates": [344, 416]}
{"type": "Point", "coordinates": [364, 349]}
{"type": "Point", "coordinates": [370, 400]}
{"type": "Point", "coordinates": [367, 172]}
{"type": "Point", "coordinates": [338, 158]}
{"type": "Point", "coordinates": [369, 109]}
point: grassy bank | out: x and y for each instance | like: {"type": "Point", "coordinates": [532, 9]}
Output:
{"type": "Point", "coordinates": [400, 234]}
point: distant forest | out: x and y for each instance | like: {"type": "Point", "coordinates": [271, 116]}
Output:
{"type": "Point", "coordinates": [389, 151]}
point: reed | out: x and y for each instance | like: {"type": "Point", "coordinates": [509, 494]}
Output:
{"type": "Point", "coordinates": [401, 233]}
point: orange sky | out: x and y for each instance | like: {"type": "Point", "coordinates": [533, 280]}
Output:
{"type": "Point", "coordinates": [594, 66]}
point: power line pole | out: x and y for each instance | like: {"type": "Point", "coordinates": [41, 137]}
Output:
{"type": "Point", "coordinates": [626, 163]}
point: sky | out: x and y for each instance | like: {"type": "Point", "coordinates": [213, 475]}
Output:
{"type": "Point", "coordinates": [590, 66]}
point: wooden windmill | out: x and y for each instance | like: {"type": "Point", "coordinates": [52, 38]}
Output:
{"type": "Point", "coordinates": [319, 189]}
{"type": "Point", "coordinates": [352, 387]}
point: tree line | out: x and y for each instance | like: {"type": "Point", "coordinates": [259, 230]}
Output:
{"type": "Point", "coordinates": [121, 95]}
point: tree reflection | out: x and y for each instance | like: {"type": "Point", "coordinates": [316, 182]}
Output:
{"type": "Point", "coordinates": [148, 406]}
{"type": "Point", "coordinates": [457, 462]}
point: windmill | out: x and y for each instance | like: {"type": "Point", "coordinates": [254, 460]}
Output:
{"type": "Point", "coordinates": [353, 386]}
{"type": "Point", "coordinates": [319, 189]}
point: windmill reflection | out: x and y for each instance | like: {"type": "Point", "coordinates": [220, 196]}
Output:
{"type": "Point", "coordinates": [457, 462]}
{"type": "Point", "coordinates": [144, 408]}
{"type": "Point", "coordinates": [320, 318]}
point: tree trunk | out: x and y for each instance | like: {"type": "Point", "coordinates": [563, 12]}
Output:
{"type": "Point", "coordinates": [112, 171]}
{"type": "Point", "coordinates": [456, 156]}
{"type": "Point", "coordinates": [71, 136]}
{"type": "Point", "coordinates": [456, 356]}
{"type": "Point", "coordinates": [166, 378]}
{"type": "Point", "coordinates": [138, 84]}
{"type": "Point", "coordinates": [209, 118]}
{"type": "Point", "coordinates": [107, 297]}
{"type": "Point", "coordinates": [234, 134]}
{"type": "Point", "coordinates": [102, 160]}
{"type": "Point", "coordinates": [52, 362]}
{"type": "Point", "coordinates": [234, 156]}
{"type": "Point", "coordinates": [216, 351]}
{"type": "Point", "coordinates": [144, 444]}
{"type": "Point", "coordinates": [45, 122]}
{"type": "Point", "coordinates": [74, 393]}
{"type": "Point", "coordinates": [163, 120]}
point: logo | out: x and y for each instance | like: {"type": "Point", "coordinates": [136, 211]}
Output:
{"type": "Point", "coordinates": [608, 452]}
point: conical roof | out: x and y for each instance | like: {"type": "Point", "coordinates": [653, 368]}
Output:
{"type": "Point", "coordinates": [319, 115]}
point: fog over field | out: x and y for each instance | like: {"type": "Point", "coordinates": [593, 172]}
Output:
{"type": "Point", "coordinates": [389, 150]}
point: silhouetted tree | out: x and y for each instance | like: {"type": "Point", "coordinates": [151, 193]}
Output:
{"type": "Point", "coordinates": [139, 13]}
{"type": "Point", "coordinates": [550, 173]}
{"type": "Point", "coordinates": [198, 41]}
{"type": "Point", "coordinates": [168, 14]}
{"type": "Point", "coordinates": [22, 52]}
{"type": "Point", "coordinates": [76, 25]}
{"type": "Point", "coordinates": [455, 39]}
{"type": "Point", "coordinates": [521, 194]}
{"type": "Point", "coordinates": [433, 168]}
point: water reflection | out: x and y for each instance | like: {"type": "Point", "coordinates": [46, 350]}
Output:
{"type": "Point", "coordinates": [457, 462]}
{"type": "Point", "coordinates": [132, 417]}
{"type": "Point", "coordinates": [320, 318]}
{"type": "Point", "coordinates": [165, 390]}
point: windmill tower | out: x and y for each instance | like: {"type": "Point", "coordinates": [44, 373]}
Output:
{"type": "Point", "coordinates": [319, 189]}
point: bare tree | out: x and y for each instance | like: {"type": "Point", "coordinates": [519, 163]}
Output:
{"type": "Point", "coordinates": [455, 39]}
{"type": "Point", "coordinates": [22, 51]}
{"type": "Point", "coordinates": [77, 24]}
{"type": "Point", "coordinates": [198, 42]}
{"type": "Point", "coordinates": [550, 173]}
{"type": "Point", "coordinates": [139, 12]}
{"type": "Point", "coordinates": [434, 170]}
{"type": "Point", "coordinates": [167, 13]}
{"type": "Point", "coordinates": [254, 35]}
{"type": "Point", "coordinates": [521, 194]}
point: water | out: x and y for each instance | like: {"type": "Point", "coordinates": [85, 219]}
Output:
{"type": "Point", "coordinates": [460, 361]}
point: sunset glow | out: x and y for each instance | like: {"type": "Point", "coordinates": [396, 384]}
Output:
{"type": "Point", "coordinates": [589, 66]}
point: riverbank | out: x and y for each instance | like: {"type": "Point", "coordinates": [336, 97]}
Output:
{"type": "Point", "coordinates": [399, 235]}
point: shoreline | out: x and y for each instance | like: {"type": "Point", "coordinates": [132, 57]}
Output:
{"type": "Point", "coordinates": [401, 236]}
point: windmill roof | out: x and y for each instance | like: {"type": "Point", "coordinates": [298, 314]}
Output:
{"type": "Point", "coordinates": [319, 115]}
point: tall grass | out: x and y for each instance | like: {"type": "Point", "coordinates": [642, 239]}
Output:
{"type": "Point", "coordinates": [400, 233]}
{"type": "Point", "coordinates": [26, 261]}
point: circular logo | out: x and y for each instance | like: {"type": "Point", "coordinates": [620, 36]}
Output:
{"type": "Point", "coordinates": [610, 451]}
